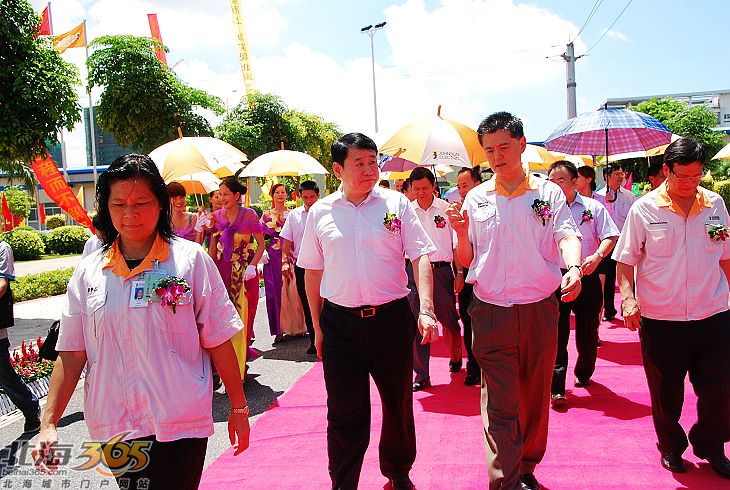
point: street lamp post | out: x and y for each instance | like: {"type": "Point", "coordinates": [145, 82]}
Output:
{"type": "Point", "coordinates": [370, 30]}
{"type": "Point", "coordinates": [229, 94]}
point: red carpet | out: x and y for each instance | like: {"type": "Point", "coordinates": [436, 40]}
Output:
{"type": "Point", "coordinates": [604, 440]}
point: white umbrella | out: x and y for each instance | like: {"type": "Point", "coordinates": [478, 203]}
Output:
{"type": "Point", "coordinates": [281, 163]}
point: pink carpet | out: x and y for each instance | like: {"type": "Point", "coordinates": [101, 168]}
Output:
{"type": "Point", "coordinates": [603, 440]}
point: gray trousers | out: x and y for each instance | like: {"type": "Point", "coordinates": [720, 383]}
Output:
{"type": "Point", "coordinates": [444, 306]}
{"type": "Point", "coordinates": [515, 348]}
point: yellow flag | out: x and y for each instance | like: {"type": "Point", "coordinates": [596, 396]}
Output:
{"type": "Point", "coordinates": [80, 197]}
{"type": "Point", "coordinates": [75, 38]}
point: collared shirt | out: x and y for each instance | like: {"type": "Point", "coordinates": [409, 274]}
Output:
{"type": "Point", "coordinates": [594, 227]}
{"type": "Point", "coordinates": [92, 245]}
{"type": "Point", "coordinates": [516, 257]}
{"type": "Point", "coordinates": [618, 209]}
{"type": "Point", "coordinates": [441, 233]}
{"type": "Point", "coordinates": [147, 368]}
{"type": "Point", "coordinates": [361, 257]}
{"type": "Point", "coordinates": [7, 264]}
{"type": "Point", "coordinates": [678, 276]}
{"type": "Point", "coordinates": [293, 229]}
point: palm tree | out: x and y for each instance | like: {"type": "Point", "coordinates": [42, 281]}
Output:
{"type": "Point", "coordinates": [20, 172]}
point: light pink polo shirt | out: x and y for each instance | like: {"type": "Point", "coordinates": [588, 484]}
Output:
{"type": "Point", "coordinates": [147, 369]}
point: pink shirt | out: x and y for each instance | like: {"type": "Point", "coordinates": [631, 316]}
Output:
{"type": "Point", "coordinates": [147, 368]}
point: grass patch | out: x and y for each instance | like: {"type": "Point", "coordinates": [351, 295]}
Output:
{"type": "Point", "coordinates": [42, 285]}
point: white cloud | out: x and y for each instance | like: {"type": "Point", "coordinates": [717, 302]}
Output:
{"type": "Point", "coordinates": [614, 34]}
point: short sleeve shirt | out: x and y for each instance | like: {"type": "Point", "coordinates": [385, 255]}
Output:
{"type": "Point", "coordinates": [594, 223]}
{"type": "Point", "coordinates": [293, 229]}
{"type": "Point", "coordinates": [516, 256]}
{"type": "Point", "coordinates": [7, 264]}
{"type": "Point", "coordinates": [438, 227]}
{"type": "Point", "coordinates": [678, 276]}
{"type": "Point", "coordinates": [619, 208]}
{"type": "Point", "coordinates": [361, 248]}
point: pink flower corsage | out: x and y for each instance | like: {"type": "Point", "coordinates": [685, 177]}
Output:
{"type": "Point", "coordinates": [718, 233]}
{"type": "Point", "coordinates": [392, 223]}
{"type": "Point", "coordinates": [173, 291]}
{"type": "Point", "coordinates": [440, 221]}
{"type": "Point", "coordinates": [587, 217]}
{"type": "Point", "coordinates": [542, 210]}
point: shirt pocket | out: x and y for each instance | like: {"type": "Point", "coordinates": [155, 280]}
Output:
{"type": "Point", "coordinates": [485, 220]}
{"type": "Point", "coordinates": [94, 310]}
{"type": "Point", "coordinates": [713, 247]}
{"type": "Point", "coordinates": [659, 241]}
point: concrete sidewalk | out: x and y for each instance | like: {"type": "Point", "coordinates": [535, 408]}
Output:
{"type": "Point", "coordinates": [269, 376]}
{"type": "Point", "coordinates": [36, 266]}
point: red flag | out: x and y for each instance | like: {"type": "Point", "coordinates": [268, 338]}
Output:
{"type": "Point", "coordinates": [44, 28]}
{"type": "Point", "coordinates": [42, 213]}
{"type": "Point", "coordinates": [7, 215]}
{"type": "Point", "coordinates": [155, 30]}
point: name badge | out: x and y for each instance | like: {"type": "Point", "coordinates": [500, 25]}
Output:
{"type": "Point", "coordinates": [136, 296]}
{"type": "Point", "coordinates": [151, 278]}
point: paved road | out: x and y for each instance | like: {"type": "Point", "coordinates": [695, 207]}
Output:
{"type": "Point", "coordinates": [269, 376]}
{"type": "Point", "coordinates": [36, 266]}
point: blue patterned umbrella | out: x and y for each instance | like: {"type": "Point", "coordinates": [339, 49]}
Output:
{"type": "Point", "coordinates": [608, 132]}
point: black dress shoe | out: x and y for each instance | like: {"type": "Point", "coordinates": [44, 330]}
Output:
{"type": "Point", "coordinates": [582, 383]}
{"type": "Point", "coordinates": [673, 462]}
{"type": "Point", "coordinates": [421, 385]}
{"type": "Point", "coordinates": [721, 465]}
{"type": "Point", "coordinates": [608, 318]}
{"type": "Point", "coordinates": [32, 423]}
{"type": "Point", "coordinates": [529, 482]}
{"type": "Point", "coordinates": [455, 366]}
{"type": "Point", "coordinates": [472, 380]}
{"type": "Point", "coordinates": [401, 483]}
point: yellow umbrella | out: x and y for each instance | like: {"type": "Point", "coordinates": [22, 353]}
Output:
{"type": "Point", "coordinates": [283, 162]}
{"type": "Point", "coordinates": [535, 158]}
{"type": "Point", "coordinates": [434, 141]}
{"type": "Point", "coordinates": [578, 160]}
{"type": "Point", "coordinates": [179, 159]}
{"type": "Point", "coordinates": [723, 154]}
{"type": "Point", "coordinates": [441, 170]}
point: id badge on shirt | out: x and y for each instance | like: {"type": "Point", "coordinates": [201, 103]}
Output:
{"type": "Point", "coordinates": [136, 297]}
{"type": "Point", "coordinates": [151, 278]}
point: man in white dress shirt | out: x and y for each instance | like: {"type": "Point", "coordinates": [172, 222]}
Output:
{"type": "Point", "coordinates": [352, 250]}
{"type": "Point", "coordinates": [291, 234]}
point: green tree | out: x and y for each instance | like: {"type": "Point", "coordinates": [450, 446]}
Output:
{"type": "Point", "coordinates": [37, 95]}
{"type": "Point", "coordinates": [696, 122]}
{"type": "Point", "coordinates": [144, 102]}
{"type": "Point", "coordinates": [19, 202]}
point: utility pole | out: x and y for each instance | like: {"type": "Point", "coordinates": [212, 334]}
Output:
{"type": "Point", "coordinates": [370, 30]}
{"type": "Point", "coordinates": [569, 57]}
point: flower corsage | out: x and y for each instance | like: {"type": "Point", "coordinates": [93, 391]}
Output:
{"type": "Point", "coordinates": [440, 221]}
{"type": "Point", "coordinates": [173, 291]}
{"type": "Point", "coordinates": [718, 233]}
{"type": "Point", "coordinates": [392, 223]}
{"type": "Point", "coordinates": [542, 210]}
{"type": "Point", "coordinates": [587, 216]}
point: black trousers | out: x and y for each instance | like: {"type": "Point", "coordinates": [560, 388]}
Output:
{"type": "Point", "coordinates": [472, 366]}
{"type": "Point", "coordinates": [175, 464]}
{"type": "Point", "coordinates": [586, 307]}
{"type": "Point", "coordinates": [608, 267]}
{"type": "Point", "coordinates": [670, 350]}
{"type": "Point", "coordinates": [353, 350]}
{"type": "Point", "coordinates": [302, 291]}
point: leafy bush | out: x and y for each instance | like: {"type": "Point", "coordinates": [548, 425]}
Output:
{"type": "Point", "coordinates": [708, 184]}
{"type": "Point", "coordinates": [723, 188]}
{"type": "Point", "coordinates": [68, 239]}
{"type": "Point", "coordinates": [291, 204]}
{"type": "Point", "coordinates": [26, 245]}
{"type": "Point", "coordinates": [41, 285]}
{"type": "Point", "coordinates": [26, 228]}
{"type": "Point", "coordinates": [19, 202]}
{"type": "Point", "coordinates": [55, 220]}
{"type": "Point", "coordinates": [257, 207]}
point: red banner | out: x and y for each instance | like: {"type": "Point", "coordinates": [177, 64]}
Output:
{"type": "Point", "coordinates": [41, 213]}
{"type": "Point", "coordinates": [7, 215]}
{"type": "Point", "coordinates": [44, 28]}
{"type": "Point", "coordinates": [155, 30]}
{"type": "Point", "coordinates": [59, 191]}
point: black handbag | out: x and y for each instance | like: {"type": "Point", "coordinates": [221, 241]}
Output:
{"type": "Point", "coordinates": [48, 349]}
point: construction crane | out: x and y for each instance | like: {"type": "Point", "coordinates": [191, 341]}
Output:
{"type": "Point", "coordinates": [242, 47]}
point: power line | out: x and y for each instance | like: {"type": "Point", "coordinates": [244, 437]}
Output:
{"type": "Point", "coordinates": [609, 28]}
{"type": "Point", "coordinates": [590, 16]}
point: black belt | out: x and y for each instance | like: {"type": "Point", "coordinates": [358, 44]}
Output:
{"type": "Point", "coordinates": [436, 265]}
{"type": "Point", "coordinates": [366, 311]}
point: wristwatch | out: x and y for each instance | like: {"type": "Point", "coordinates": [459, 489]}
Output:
{"type": "Point", "coordinates": [242, 411]}
{"type": "Point", "coordinates": [598, 252]}
{"type": "Point", "coordinates": [428, 314]}
{"type": "Point", "coordinates": [580, 271]}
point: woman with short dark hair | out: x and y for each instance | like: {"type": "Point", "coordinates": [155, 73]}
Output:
{"type": "Point", "coordinates": [183, 222]}
{"type": "Point", "coordinates": [148, 377]}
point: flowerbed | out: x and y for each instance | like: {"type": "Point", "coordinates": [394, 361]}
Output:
{"type": "Point", "coordinates": [28, 363]}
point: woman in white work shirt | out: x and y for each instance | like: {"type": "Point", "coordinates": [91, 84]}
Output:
{"type": "Point", "coordinates": [148, 379]}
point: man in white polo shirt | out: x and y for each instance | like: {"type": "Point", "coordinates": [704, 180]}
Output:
{"type": "Point", "coordinates": [599, 235]}
{"type": "Point", "coordinates": [292, 233]}
{"type": "Point", "coordinates": [352, 250]}
{"type": "Point", "coordinates": [675, 242]}
{"type": "Point", "coordinates": [512, 231]}
{"type": "Point", "coordinates": [431, 211]}
{"type": "Point", "coordinates": [618, 202]}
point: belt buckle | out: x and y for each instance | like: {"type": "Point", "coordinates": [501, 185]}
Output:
{"type": "Point", "coordinates": [433, 265]}
{"type": "Point", "coordinates": [367, 312]}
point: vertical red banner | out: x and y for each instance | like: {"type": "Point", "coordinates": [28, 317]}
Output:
{"type": "Point", "coordinates": [59, 191]}
{"type": "Point", "coordinates": [41, 213]}
{"type": "Point", "coordinates": [7, 215]}
{"type": "Point", "coordinates": [44, 29]}
{"type": "Point", "coordinates": [155, 30]}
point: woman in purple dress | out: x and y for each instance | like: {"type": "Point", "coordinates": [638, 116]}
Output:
{"type": "Point", "coordinates": [183, 222]}
{"type": "Point", "coordinates": [272, 221]}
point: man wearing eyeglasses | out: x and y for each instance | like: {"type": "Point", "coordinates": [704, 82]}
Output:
{"type": "Point", "coordinates": [618, 202]}
{"type": "Point", "coordinates": [675, 242]}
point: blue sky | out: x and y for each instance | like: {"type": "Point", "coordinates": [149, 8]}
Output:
{"type": "Point", "coordinates": [473, 57]}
